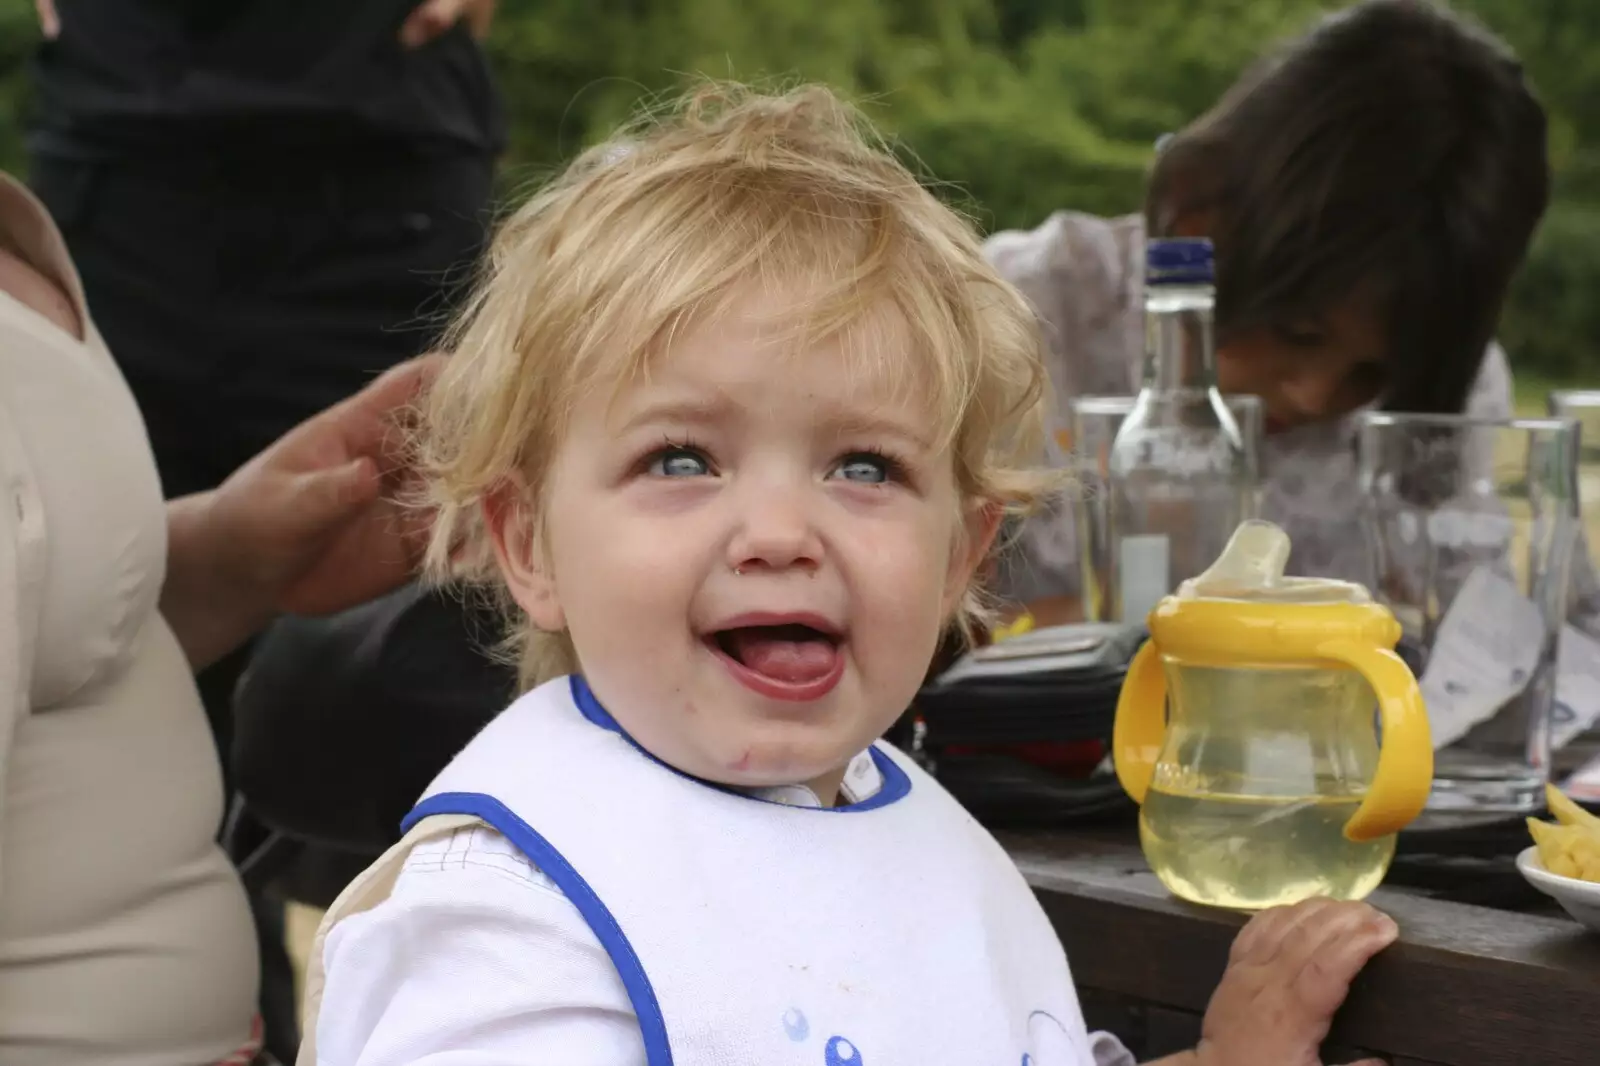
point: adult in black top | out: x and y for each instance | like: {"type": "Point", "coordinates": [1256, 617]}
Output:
{"type": "Point", "coordinates": [120, 79]}
{"type": "Point", "coordinates": [268, 199]}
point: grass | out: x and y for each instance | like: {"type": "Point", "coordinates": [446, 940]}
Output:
{"type": "Point", "coordinates": [1530, 391]}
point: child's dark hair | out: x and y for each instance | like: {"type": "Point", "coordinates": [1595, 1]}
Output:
{"type": "Point", "coordinates": [1396, 151]}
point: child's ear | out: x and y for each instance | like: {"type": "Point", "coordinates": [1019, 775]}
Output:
{"type": "Point", "coordinates": [514, 529]}
{"type": "Point", "coordinates": [980, 526]}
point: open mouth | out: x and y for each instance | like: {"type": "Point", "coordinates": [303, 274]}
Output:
{"type": "Point", "coordinates": [790, 660]}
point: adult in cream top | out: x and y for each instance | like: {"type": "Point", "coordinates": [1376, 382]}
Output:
{"type": "Point", "coordinates": [124, 934]}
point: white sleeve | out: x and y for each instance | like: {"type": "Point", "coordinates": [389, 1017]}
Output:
{"type": "Point", "coordinates": [1108, 1051]}
{"type": "Point", "coordinates": [1491, 395]}
{"type": "Point", "coordinates": [1490, 398]}
{"type": "Point", "coordinates": [1084, 277]}
{"type": "Point", "coordinates": [475, 959]}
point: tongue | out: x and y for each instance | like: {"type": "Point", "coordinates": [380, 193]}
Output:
{"type": "Point", "coordinates": [782, 658]}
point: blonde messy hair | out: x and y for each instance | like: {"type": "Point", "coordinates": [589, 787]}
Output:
{"type": "Point", "coordinates": [588, 280]}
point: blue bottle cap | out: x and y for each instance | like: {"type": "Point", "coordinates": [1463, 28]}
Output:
{"type": "Point", "coordinates": [1179, 261]}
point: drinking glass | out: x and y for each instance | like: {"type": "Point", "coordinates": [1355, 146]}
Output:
{"type": "Point", "coordinates": [1093, 426]}
{"type": "Point", "coordinates": [1576, 715]}
{"type": "Point", "coordinates": [1470, 526]}
{"type": "Point", "coordinates": [1583, 407]}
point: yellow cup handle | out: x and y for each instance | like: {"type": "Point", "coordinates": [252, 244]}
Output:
{"type": "Point", "coordinates": [1140, 726]}
{"type": "Point", "coordinates": [1404, 777]}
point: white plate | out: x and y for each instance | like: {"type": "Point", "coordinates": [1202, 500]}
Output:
{"type": "Point", "coordinates": [1581, 899]}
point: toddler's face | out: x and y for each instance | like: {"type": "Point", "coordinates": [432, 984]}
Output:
{"type": "Point", "coordinates": [754, 551]}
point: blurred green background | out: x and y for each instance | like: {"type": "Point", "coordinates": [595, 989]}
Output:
{"type": "Point", "coordinates": [1022, 106]}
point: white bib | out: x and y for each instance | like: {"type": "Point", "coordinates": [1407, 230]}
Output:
{"type": "Point", "coordinates": [891, 932]}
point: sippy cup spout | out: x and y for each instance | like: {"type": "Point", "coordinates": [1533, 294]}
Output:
{"type": "Point", "coordinates": [1253, 561]}
{"type": "Point", "coordinates": [1251, 568]}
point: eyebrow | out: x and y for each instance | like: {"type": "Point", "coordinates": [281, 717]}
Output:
{"type": "Point", "coordinates": [696, 411]}
{"type": "Point", "coordinates": [862, 423]}
{"type": "Point", "coordinates": [707, 410]}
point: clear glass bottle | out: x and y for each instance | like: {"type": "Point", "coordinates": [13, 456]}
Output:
{"type": "Point", "coordinates": [1181, 477]}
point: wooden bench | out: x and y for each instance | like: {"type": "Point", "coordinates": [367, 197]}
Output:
{"type": "Point", "coordinates": [1464, 986]}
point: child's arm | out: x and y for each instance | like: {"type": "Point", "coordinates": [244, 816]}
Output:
{"type": "Point", "coordinates": [475, 957]}
{"type": "Point", "coordinates": [1289, 970]}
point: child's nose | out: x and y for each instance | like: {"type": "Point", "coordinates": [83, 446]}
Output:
{"type": "Point", "coordinates": [776, 533]}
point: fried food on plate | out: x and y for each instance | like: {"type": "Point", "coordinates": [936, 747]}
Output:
{"type": "Point", "coordinates": [1569, 846]}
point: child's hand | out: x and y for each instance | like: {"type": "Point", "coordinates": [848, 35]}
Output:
{"type": "Point", "coordinates": [1289, 970]}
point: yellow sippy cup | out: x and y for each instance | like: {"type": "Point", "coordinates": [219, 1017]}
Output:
{"type": "Point", "coordinates": [1263, 781]}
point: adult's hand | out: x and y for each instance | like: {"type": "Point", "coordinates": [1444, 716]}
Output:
{"type": "Point", "coordinates": [49, 19]}
{"type": "Point", "coordinates": [316, 523]}
{"type": "Point", "coordinates": [433, 18]}
{"type": "Point", "coordinates": [320, 515]}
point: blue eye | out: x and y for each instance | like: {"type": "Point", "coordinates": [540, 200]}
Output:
{"type": "Point", "coordinates": [679, 462]}
{"type": "Point", "coordinates": [864, 468]}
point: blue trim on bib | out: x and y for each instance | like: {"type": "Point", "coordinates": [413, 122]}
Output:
{"type": "Point", "coordinates": [543, 854]}
{"type": "Point", "coordinates": [896, 783]}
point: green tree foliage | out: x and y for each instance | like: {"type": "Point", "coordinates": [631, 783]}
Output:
{"type": "Point", "coordinates": [18, 33]}
{"type": "Point", "coordinates": [1018, 107]}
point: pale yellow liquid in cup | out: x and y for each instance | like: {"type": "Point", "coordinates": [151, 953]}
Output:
{"type": "Point", "coordinates": [1260, 771]}
{"type": "Point", "coordinates": [1252, 852]}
